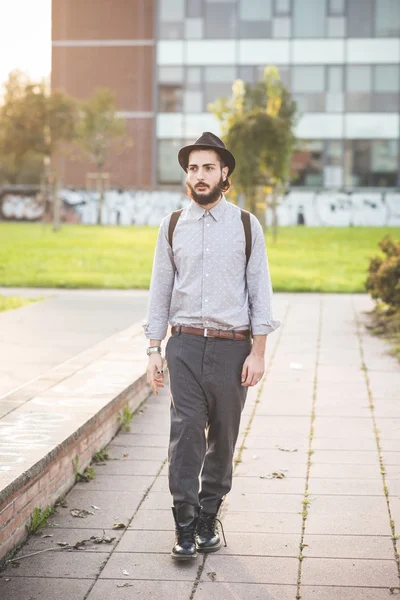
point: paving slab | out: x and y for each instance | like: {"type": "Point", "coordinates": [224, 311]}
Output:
{"type": "Point", "coordinates": [43, 588]}
{"type": "Point", "coordinates": [71, 536]}
{"type": "Point", "coordinates": [348, 546]}
{"type": "Point", "coordinates": [343, 471]}
{"type": "Point", "coordinates": [246, 569]}
{"type": "Point", "coordinates": [355, 487]}
{"type": "Point", "coordinates": [244, 501]}
{"type": "Point", "coordinates": [297, 442]}
{"type": "Point", "coordinates": [263, 522]}
{"type": "Point", "coordinates": [334, 592]}
{"type": "Point", "coordinates": [348, 523]}
{"type": "Point", "coordinates": [71, 564]}
{"type": "Point", "coordinates": [120, 483]}
{"type": "Point", "coordinates": [355, 457]}
{"type": "Point", "coordinates": [226, 590]}
{"type": "Point", "coordinates": [143, 590]}
{"type": "Point", "coordinates": [108, 511]}
{"type": "Point", "coordinates": [344, 443]}
{"type": "Point", "coordinates": [148, 566]}
{"type": "Point", "coordinates": [349, 572]}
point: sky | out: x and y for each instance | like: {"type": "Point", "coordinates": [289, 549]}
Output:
{"type": "Point", "coordinates": [25, 37]}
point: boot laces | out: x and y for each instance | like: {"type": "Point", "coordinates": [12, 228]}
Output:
{"type": "Point", "coordinates": [208, 523]}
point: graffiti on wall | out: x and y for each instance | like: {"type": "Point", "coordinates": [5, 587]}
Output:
{"type": "Point", "coordinates": [336, 209]}
{"type": "Point", "coordinates": [142, 207]}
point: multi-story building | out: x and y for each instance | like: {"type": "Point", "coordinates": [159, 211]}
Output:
{"type": "Point", "coordinates": [168, 60]}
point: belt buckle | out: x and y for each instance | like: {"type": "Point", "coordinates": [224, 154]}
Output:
{"type": "Point", "coordinates": [205, 332]}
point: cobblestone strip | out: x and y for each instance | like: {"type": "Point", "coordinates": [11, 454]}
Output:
{"type": "Point", "coordinates": [242, 446]}
{"type": "Point", "coordinates": [310, 452]}
{"type": "Point", "coordinates": [378, 444]}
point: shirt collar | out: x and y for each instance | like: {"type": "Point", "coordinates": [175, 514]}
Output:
{"type": "Point", "coordinates": [216, 212]}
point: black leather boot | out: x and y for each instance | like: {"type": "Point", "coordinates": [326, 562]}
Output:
{"type": "Point", "coordinates": [185, 528]}
{"type": "Point", "coordinates": [207, 535]}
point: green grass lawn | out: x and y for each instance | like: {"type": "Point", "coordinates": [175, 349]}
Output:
{"type": "Point", "coordinates": [323, 259]}
{"type": "Point", "coordinates": [9, 302]}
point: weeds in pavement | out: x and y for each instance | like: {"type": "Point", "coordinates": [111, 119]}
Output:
{"type": "Point", "coordinates": [125, 417]}
{"type": "Point", "coordinates": [39, 519]}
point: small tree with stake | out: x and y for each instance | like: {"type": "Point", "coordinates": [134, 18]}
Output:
{"type": "Point", "coordinates": [257, 123]}
{"type": "Point", "coordinates": [99, 130]}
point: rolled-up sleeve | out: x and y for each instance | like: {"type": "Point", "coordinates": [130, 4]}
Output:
{"type": "Point", "coordinates": [155, 324]}
{"type": "Point", "coordinates": [259, 284]}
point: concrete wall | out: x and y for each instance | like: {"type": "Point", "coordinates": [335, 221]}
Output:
{"type": "Point", "coordinates": [141, 207]}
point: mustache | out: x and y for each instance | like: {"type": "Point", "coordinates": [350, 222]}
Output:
{"type": "Point", "coordinates": [201, 185]}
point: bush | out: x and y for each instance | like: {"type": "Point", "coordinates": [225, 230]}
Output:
{"type": "Point", "coordinates": [383, 281]}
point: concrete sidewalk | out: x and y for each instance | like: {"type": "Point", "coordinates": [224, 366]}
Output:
{"type": "Point", "coordinates": [37, 337]}
{"type": "Point", "coordinates": [315, 506]}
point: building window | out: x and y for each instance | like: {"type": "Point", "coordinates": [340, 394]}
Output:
{"type": "Point", "coordinates": [308, 18]}
{"type": "Point", "coordinates": [169, 170]}
{"type": "Point", "coordinates": [307, 164]}
{"type": "Point", "coordinates": [193, 101]}
{"type": "Point", "coordinates": [281, 27]}
{"type": "Point", "coordinates": [308, 88]}
{"type": "Point", "coordinates": [282, 7]}
{"type": "Point", "coordinates": [194, 9]}
{"type": "Point", "coordinates": [255, 18]}
{"type": "Point", "coordinates": [170, 75]}
{"type": "Point", "coordinates": [334, 95]}
{"type": "Point", "coordinates": [371, 163]}
{"type": "Point", "coordinates": [336, 7]}
{"type": "Point", "coordinates": [194, 29]}
{"type": "Point", "coordinates": [336, 27]}
{"type": "Point", "coordinates": [360, 18]}
{"type": "Point", "coordinates": [172, 14]}
{"type": "Point", "coordinates": [387, 18]}
{"type": "Point", "coordinates": [218, 83]}
{"type": "Point", "coordinates": [247, 74]}
{"type": "Point", "coordinates": [333, 169]}
{"type": "Point", "coordinates": [386, 85]}
{"type": "Point", "coordinates": [358, 88]}
{"type": "Point", "coordinates": [169, 98]}
{"type": "Point", "coordinates": [220, 19]}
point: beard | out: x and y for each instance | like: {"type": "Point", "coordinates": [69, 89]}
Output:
{"type": "Point", "coordinates": [205, 198]}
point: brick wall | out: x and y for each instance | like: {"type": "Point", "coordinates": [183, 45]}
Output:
{"type": "Point", "coordinates": [128, 70]}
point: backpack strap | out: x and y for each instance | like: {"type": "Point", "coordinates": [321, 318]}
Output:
{"type": "Point", "coordinates": [172, 224]}
{"type": "Point", "coordinates": [245, 215]}
{"type": "Point", "coordinates": [247, 232]}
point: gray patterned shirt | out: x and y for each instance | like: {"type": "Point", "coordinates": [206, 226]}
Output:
{"type": "Point", "coordinates": [203, 281]}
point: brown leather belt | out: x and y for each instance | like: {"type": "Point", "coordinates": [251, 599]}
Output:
{"type": "Point", "coordinates": [218, 333]}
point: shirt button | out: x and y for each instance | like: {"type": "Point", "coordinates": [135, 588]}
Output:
{"type": "Point", "coordinates": [208, 224]}
{"type": "Point", "coordinates": [206, 300]}
{"type": "Point", "coordinates": [206, 274]}
{"type": "Point", "coordinates": [206, 249]}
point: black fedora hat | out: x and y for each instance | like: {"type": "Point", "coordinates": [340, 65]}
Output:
{"type": "Point", "coordinates": [207, 141]}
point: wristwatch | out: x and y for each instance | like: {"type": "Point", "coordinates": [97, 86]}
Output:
{"type": "Point", "coordinates": [153, 350]}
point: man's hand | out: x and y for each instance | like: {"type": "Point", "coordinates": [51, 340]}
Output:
{"type": "Point", "coordinates": [155, 374]}
{"type": "Point", "coordinates": [253, 370]}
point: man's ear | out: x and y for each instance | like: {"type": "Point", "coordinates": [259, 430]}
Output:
{"type": "Point", "coordinates": [225, 172]}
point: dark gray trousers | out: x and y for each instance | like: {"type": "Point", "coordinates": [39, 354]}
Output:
{"type": "Point", "coordinates": [207, 399]}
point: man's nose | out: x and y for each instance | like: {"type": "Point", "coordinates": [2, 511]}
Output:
{"type": "Point", "coordinates": [200, 175]}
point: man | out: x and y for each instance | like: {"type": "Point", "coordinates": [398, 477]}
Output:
{"type": "Point", "coordinates": [216, 303]}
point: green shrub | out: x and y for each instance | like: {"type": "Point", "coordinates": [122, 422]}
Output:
{"type": "Point", "coordinates": [383, 281]}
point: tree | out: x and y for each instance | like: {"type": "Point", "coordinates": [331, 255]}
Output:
{"type": "Point", "coordinates": [34, 121]}
{"type": "Point", "coordinates": [257, 123]}
{"type": "Point", "coordinates": [99, 130]}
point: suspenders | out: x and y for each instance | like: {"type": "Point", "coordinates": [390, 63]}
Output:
{"type": "Point", "coordinates": [245, 221]}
